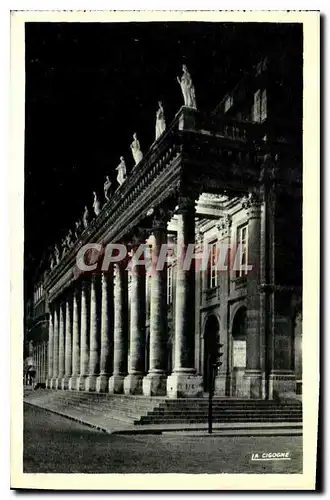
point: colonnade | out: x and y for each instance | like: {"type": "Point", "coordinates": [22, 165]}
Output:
{"type": "Point", "coordinates": [97, 342]}
{"type": "Point", "coordinates": [39, 356]}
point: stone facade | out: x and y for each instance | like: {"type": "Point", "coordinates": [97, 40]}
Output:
{"type": "Point", "coordinates": [205, 181]}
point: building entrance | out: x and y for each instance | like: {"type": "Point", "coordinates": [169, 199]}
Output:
{"type": "Point", "coordinates": [211, 338]}
{"type": "Point", "coordinates": [238, 352]}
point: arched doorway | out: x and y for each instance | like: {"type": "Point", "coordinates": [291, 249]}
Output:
{"type": "Point", "coordinates": [238, 354]}
{"type": "Point", "coordinates": [211, 338]}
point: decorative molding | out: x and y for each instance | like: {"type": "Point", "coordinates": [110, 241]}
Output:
{"type": "Point", "coordinates": [272, 288]}
{"type": "Point", "coordinates": [252, 201]}
{"type": "Point", "coordinates": [224, 225]}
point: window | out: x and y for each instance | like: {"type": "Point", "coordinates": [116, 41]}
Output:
{"type": "Point", "coordinates": [169, 285]}
{"type": "Point", "coordinates": [228, 103]}
{"type": "Point", "coordinates": [212, 275]}
{"type": "Point", "coordinates": [259, 113]}
{"type": "Point", "coordinates": [242, 249]}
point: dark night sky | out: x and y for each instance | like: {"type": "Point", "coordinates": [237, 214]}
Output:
{"type": "Point", "coordinates": [89, 86]}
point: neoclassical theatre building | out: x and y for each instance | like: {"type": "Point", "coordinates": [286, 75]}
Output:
{"type": "Point", "coordinates": [233, 176]}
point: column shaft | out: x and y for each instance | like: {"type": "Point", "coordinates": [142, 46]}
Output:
{"type": "Point", "coordinates": [116, 382]}
{"type": "Point", "coordinates": [61, 348]}
{"type": "Point", "coordinates": [75, 340]}
{"type": "Point", "coordinates": [94, 347]}
{"type": "Point", "coordinates": [185, 298]}
{"type": "Point", "coordinates": [184, 382]}
{"type": "Point", "coordinates": [154, 384]}
{"type": "Point", "coordinates": [253, 374]}
{"type": "Point", "coordinates": [84, 344]}
{"type": "Point", "coordinates": [102, 382]}
{"type": "Point", "coordinates": [55, 347]}
{"type": "Point", "coordinates": [68, 344]}
{"type": "Point", "coordinates": [133, 382]}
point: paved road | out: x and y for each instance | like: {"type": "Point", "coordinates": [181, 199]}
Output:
{"type": "Point", "coordinates": [57, 445]}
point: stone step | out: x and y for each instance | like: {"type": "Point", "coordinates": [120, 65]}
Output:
{"type": "Point", "coordinates": [140, 410]}
{"type": "Point", "coordinates": [150, 421]}
{"type": "Point", "coordinates": [254, 403]}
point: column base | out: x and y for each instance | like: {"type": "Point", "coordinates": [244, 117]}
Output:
{"type": "Point", "coordinates": [116, 384]}
{"type": "Point", "coordinates": [184, 385]}
{"type": "Point", "coordinates": [81, 381]}
{"type": "Point", "coordinates": [53, 383]}
{"type": "Point", "coordinates": [58, 383]}
{"type": "Point", "coordinates": [73, 383]}
{"type": "Point", "coordinates": [281, 382]}
{"type": "Point", "coordinates": [154, 384]}
{"type": "Point", "coordinates": [65, 383]}
{"type": "Point", "coordinates": [48, 383]}
{"type": "Point", "coordinates": [133, 383]}
{"type": "Point", "coordinates": [253, 384]}
{"type": "Point", "coordinates": [90, 384]}
{"type": "Point", "coordinates": [220, 385]}
{"type": "Point", "coordinates": [102, 383]}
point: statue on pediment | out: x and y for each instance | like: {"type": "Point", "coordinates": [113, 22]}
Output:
{"type": "Point", "coordinates": [96, 204]}
{"type": "Point", "coordinates": [187, 87]}
{"type": "Point", "coordinates": [86, 217]}
{"type": "Point", "coordinates": [160, 120]}
{"type": "Point", "coordinates": [136, 150]}
{"type": "Point", "coordinates": [52, 261]}
{"type": "Point", "coordinates": [69, 239]}
{"type": "Point", "coordinates": [121, 176]}
{"type": "Point", "coordinates": [77, 228]}
{"type": "Point", "coordinates": [57, 254]}
{"type": "Point", "coordinates": [106, 187]}
{"type": "Point", "coordinates": [64, 247]}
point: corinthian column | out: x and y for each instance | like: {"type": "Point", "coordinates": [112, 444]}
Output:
{"type": "Point", "coordinates": [84, 332]}
{"type": "Point", "coordinates": [154, 384]}
{"type": "Point", "coordinates": [61, 345]}
{"type": "Point", "coordinates": [55, 348]}
{"type": "Point", "coordinates": [133, 381]}
{"type": "Point", "coordinates": [102, 382]}
{"type": "Point", "coordinates": [253, 374]}
{"type": "Point", "coordinates": [50, 347]}
{"type": "Point", "coordinates": [116, 382]}
{"type": "Point", "coordinates": [184, 382]}
{"type": "Point", "coordinates": [68, 344]}
{"type": "Point", "coordinates": [75, 340]}
{"type": "Point", "coordinates": [94, 346]}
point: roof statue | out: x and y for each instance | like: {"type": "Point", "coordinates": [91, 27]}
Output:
{"type": "Point", "coordinates": [106, 187]}
{"type": "Point", "coordinates": [86, 217]}
{"type": "Point", "coordinates": [187, 87]}
{"type": "Point", "coordinates": [96, 204]}
{"type": "Point", "coordinates": [136, 150]}
{"type": "Point", "coordinates": [121, 176]}
{"type": "Point", "coordinates": [160, 120]}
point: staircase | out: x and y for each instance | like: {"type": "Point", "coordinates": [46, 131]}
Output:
{"type": "Point", "coordinates": [183, 411]}
{"type": "Point", "coordinates": [141, 410]}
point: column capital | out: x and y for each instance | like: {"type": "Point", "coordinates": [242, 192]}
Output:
{"type": "Point", "coordinates": [138, 237]}
{"type": "Point", "coordinates": [186, 203]}
{"type": "Point", "coordinates": [160, 218]}
{"type": "Point", "coordinates": [252, 203]}
{"type": "Point", "coordinates": [85, 284]}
